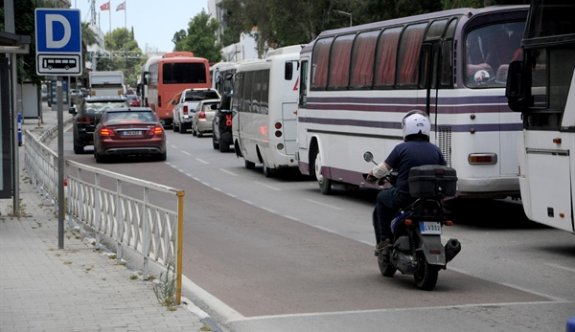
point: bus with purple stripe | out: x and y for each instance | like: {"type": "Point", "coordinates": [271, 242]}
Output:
{"type": "Point", "coordinates": [357, 83]}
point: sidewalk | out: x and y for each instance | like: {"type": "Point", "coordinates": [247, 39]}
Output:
{"type": "Point", "coordinates": [78, 288]}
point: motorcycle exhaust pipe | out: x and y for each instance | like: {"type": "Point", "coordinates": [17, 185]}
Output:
{"type": "Point", "coordinates": [452, 248]}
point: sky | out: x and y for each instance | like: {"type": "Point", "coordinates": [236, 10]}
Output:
{"type": "Point", "coordinates": [154, 22]}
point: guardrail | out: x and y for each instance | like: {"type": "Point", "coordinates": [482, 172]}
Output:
{"type": "Point", "coordinates": [125, 212]}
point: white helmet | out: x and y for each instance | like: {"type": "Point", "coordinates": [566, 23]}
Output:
{"type": "Point", "coordinates": [416, 122]}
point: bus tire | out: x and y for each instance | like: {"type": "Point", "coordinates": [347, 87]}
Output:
{"type": "Point", "coordinates": [323, 182]}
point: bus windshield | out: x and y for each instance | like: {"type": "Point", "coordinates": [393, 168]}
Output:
{"type": "Point", "coordinates": [489, 50]}
{"type": "Point", "coordinates": [178, 73]}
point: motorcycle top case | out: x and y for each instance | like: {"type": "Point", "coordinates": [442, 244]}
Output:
{"type": "Point", "coordinates": [432, 181]}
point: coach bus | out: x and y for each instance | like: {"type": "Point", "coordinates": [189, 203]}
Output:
{"type": "Point", "coordinates": [358, 82]}
{"type": "Point", "coordinates": [542, 88]}
{"type": "Point", "coordinates": [169, 74]}
{"type": "Point", "coordinates": [264, 103]}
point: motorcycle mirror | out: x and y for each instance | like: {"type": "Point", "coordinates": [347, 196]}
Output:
{"type": "Point", "coordinates": [368, 156]}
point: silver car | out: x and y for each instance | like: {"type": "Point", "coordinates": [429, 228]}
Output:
{"type": "Point", "coordinates": [203, 116]}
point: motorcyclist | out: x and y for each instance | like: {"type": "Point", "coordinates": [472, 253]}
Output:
{"type": "Point", "coordinates": [416, 150]}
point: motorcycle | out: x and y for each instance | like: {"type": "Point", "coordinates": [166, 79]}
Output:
{"type": "Point", "coordinates": [416, 248]}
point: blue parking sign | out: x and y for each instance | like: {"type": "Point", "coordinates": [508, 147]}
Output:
{"type": "Point", "coordinates": [58, 41]}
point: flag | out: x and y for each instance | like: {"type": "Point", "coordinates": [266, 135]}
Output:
{"type": "Point", "coordinates": [121, 6]}
{"type": "Point", "coordinates": [105, 6]}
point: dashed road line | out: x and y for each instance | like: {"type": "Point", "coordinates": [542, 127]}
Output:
{"type": "Point", "coordinates": [268, 186]}
{"type": "Point", "coordinates": [324, 204]}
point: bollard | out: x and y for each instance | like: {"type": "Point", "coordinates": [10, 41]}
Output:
{"type": "Point", "coordinates": [19, 129]}
{"type": "Point", "coordinates": [571, 324]}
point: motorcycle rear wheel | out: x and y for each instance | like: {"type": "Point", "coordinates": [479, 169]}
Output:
{"type": "Point", "coordinates": [385, 267]}
{"type": "Point", "coordinates": [425, 276]}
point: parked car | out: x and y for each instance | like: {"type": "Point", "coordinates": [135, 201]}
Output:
{"type": "Point", "coordinates": [87, 115]}
{"type": "Point", "coordinates": [185, 103]}
{"type": "Point", "coordinates": [222, 137]}
{"type": "Point", "coordinates": [203, 116]}
{"type": "Point", "coordinates": [129, 131]}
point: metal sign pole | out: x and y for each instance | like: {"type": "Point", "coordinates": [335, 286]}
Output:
{"type": "Point", "coordinates": [61, 205]}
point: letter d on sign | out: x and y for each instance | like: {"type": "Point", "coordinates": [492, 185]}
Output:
{"type": "Point", "coordinates": [51, 20]}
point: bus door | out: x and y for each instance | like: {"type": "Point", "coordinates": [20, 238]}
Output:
{"type": "Point", "coordinates": [289, 106]}
{"type": "Point", "coordinates": [429, 74]}
{"type": "Point", "coordinates": [549, 152]}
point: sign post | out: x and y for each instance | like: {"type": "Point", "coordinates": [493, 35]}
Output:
{"type": "Point", "coordinates": [59, 53]}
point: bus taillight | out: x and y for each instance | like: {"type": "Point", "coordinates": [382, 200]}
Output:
{"type": "Point", "coordinates": [482, 159]}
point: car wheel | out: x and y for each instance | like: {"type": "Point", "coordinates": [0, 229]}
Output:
{"type": "Point", "coordinates": [175, 128]}
{"type": "Point", "coordinates": [224, 146]}
{"type": "Point", "coordinates": [249, 165]}
{"type": "Point", "coordinates": [215, 143]}
{"type": "Point", "coordinates": [200, 134]}
{"type": "Point", "coordinates": [78, 148]}
{"type": "Point", "coordinates": [99, 158]}
{"type": "Point", "coordinates": [163, 156]}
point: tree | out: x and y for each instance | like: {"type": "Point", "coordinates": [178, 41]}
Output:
{"type": "Point", "coordinates": [126, 55]}
{"type": "Point", "coordinates": [200, 38]}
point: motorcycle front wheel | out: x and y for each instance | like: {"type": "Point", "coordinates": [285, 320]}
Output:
{"type": "Point", "coordinates": [385, 267]}
{"type": "Point", "coordinates": [425, 275]}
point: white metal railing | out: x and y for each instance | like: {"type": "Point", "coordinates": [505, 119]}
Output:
{"type": "Point", "coordinates": [128, 212]}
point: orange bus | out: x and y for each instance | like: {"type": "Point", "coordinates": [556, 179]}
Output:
{"type": "Point", "coordinates": [169, 74]}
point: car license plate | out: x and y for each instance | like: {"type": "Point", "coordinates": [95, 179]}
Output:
{"type": "Point", "coordinates": [132, 133]}
{"type": "Point", "coordinates": [430, 227]}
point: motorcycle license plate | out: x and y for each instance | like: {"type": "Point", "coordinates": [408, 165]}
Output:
{"type": "Point", "coordinates": [430, 227]}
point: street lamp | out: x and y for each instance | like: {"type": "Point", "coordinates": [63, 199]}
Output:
{"type": "Point", "coordinates": [341, 12]}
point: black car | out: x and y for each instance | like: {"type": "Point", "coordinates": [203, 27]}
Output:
{"type": "Point", "coordinates": [222, 126]}
{"type": "Point", "coordinates": [87, 115]}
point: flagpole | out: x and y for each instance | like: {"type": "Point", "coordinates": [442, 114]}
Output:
{"type": "Point", "coordinates": [126, 14]}
{"type": "Point", "coordinates": [110, 17]}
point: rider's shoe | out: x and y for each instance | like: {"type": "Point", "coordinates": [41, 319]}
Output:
{"type": "Point", "coordinates": [381, 247]}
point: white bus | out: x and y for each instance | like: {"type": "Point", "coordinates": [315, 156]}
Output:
{"type": "Point", "coordinates": [542, 88]}
{"type": "Point", "coordinates": [264, 103]}
{"type": "Point", "coordinates": [358, 82]}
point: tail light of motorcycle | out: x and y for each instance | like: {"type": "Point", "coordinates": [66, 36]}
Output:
{"type": "Point", "coordinates": [185, 109]}
{"type": "Point", "coordinates": [408, 222]}
{"type": "Point", "coordinates": [448, 223]}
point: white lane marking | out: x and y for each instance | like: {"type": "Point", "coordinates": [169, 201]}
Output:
{"type": "Point", "coordinates": [334, 313]}
{"type": "Point", "coordinates": [268, 186]}
{"type": "Point", "coordinates": [173, 146]}
{"type": "Point", "coordinates": [202, 161]}
{"type": "Point", "coordinates": [186, 153]}
{"type": "Point", "coordinates": [561, 267]}
{"type": "Point", "coordinates": [228, 172]}
{"type": "Point", "coordinates": [324, 204]}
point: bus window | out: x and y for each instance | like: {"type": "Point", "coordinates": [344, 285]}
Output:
{"type": "Point", "coordinates": [177, 73]}
{"type": "Point", "coordinates": [302, 84]}
{"type": "Point", "coordinates": [408, 57]}
{"type": "Point", "coordinates": [362, 60]}
{"type": "Point", "coordinates": [339, 62]}
{"type": "Point", "coordinates": [320, 62]}
{"type": "Point", "coordinates": [386, 57]}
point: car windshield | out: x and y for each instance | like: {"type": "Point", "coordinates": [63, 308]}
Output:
{"type": "Point", "coordinates": [200, 95]}
{"type": "Point", "coordinates": [100, 106]}
{"type": "Point", "coordinates": [130, 117]}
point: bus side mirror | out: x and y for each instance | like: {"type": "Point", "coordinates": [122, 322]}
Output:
{"type": "Point", "coordinates": [146, 77]}
{"type": "Point", "coordinates": [288, 73]}
{"type": "Point", "coordinates": [518, 87]}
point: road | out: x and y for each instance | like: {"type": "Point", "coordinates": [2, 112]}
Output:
{"type": "Point", "coordinates": [279, 256]}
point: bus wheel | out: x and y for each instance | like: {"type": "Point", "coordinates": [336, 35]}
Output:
{"type": "Point", "coordinates": [268, 172]}
{"type": "Point", "coordinates": [323, 182]}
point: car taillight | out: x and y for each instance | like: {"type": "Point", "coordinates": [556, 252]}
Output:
{"type": "Point", "coordinates": [202, 115]}
{"type": "Point", "coordinates": [105, 132]}
{"type": "Point", "coordinates": [84, 120]}
{"type": "Point", "coordinates": [185, 109]}
{"type": "Point", "coordinates": [158, 131]}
